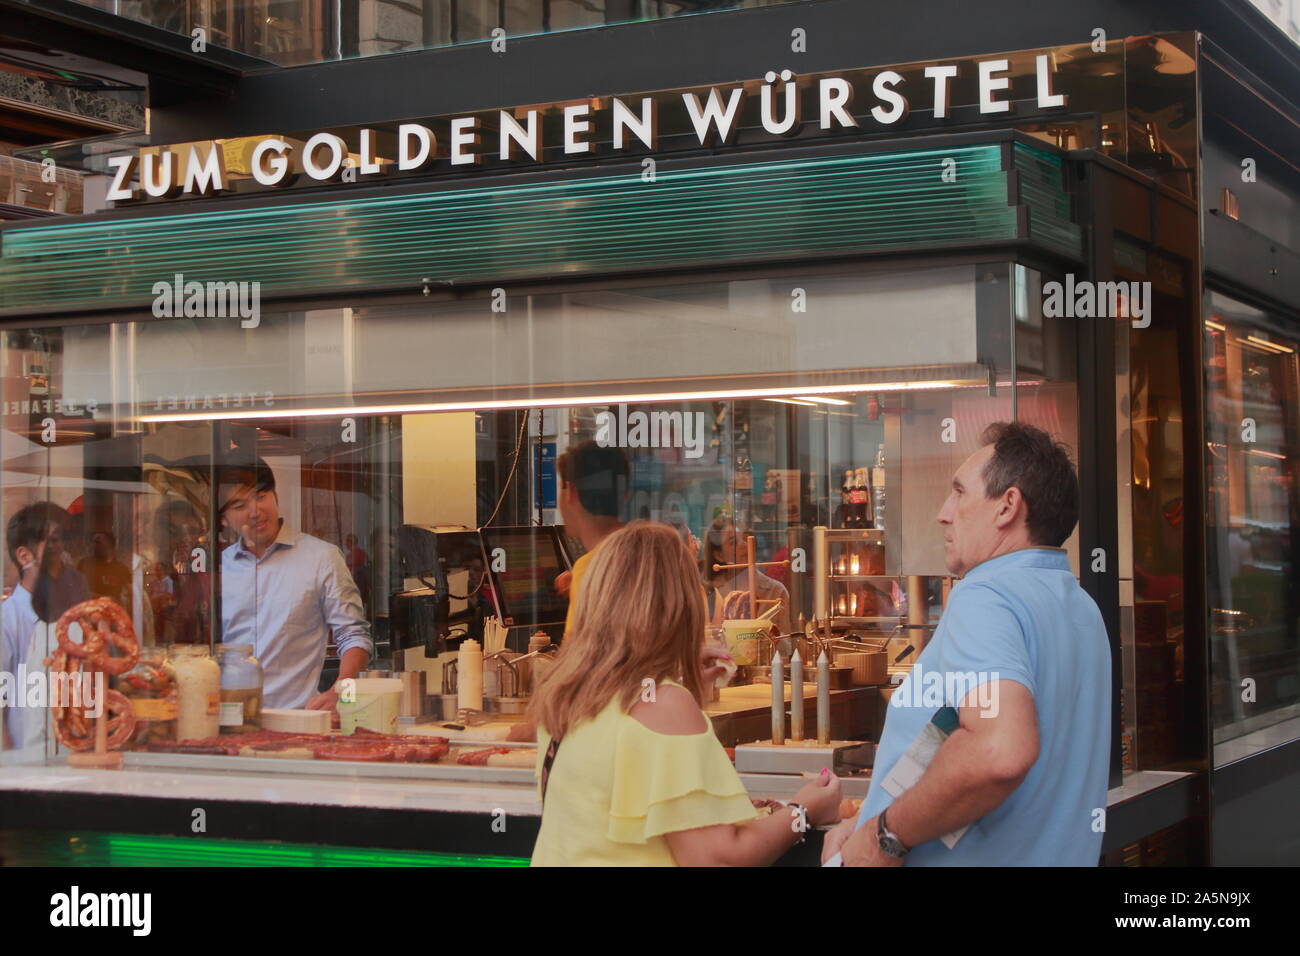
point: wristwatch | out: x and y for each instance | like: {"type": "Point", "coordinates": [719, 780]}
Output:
{"type": "Point", "coordinates": [889, 842]}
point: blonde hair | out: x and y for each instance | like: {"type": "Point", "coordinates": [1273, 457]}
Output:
{"type": "Point", "coordinates": [639, 613]}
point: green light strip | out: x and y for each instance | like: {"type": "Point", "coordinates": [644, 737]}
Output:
{"type": "Point", "coordinates": [120, 849]}
{"type": "Point", "coordinates": [755, 212]}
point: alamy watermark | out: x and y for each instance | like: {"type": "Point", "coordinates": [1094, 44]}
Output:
{"type": "Point", "coordinates": [934, 689]}
{"type": "Point", "coordinates": [1098, 300]}
{"type": "Point", "coordinates": [77, 909]}
{"type": "Point", "coordinates": [41, 689]}
{"type": "Point", "coordinates": [208, 300]}
{"type": "Point", "coordinates": [639, 429]}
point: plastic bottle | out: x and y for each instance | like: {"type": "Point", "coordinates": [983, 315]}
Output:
{"type": "Point", "coordinates": [846, 500]}
{"type": "Point", "coordinates": [878, 487]}
{"type": "Point", "coordinates": [469, 676]}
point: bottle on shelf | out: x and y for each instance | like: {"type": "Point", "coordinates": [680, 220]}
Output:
{"type": "Point", "coordinates": [861, 499]}
{"type": "Point", "coordinates": [878, 489]}
{"type": "Point", "coordinates": [846, 500]}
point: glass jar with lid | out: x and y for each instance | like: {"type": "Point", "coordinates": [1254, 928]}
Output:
{"type": "Point", "coordinates": [151, 688]}
{"type": "Point", "coordinates": [198, 685]}
{"type": "Point", "coordinates": [241, 689]}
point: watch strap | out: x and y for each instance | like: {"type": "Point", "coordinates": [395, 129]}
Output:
{"type": "Point", "coordinates": [889, 842]}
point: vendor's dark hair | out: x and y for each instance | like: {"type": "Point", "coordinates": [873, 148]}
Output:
{"type": "Point", "coordinates": [1029, 459]}
{"type": "Point", "coordinates": [599, 474]}
{"type": "Point", "coordinates": [256, 474]}
{"type": "Point", "coordinates": [29, 526]}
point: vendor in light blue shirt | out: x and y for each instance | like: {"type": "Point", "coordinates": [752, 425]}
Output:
{"type": "Point", "coordinates": [284, 593]}
{"type": "Point", "coordinates": [1022, 658]}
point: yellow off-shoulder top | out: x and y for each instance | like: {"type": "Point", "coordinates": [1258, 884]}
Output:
{"type": "Point", "coordinates": [617, 787]}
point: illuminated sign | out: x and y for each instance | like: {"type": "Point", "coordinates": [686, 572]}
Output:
{"type": "Point", "coordinates": [787, 104]}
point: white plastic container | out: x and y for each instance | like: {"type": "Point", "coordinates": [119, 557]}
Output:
{"type": "Point", "coordinates": [296, 721]}
{"type": "Point", "coordinates": [374, 705]}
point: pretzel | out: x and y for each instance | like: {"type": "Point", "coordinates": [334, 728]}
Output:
{"type": "Point", "coordinates": [75, 732]}
{"type": "Point", "coordinates": [93, 615]}
{"type": "Point", "coordinates": [61, 663]}
{"type": "Point", "coordinates": [104, 626]}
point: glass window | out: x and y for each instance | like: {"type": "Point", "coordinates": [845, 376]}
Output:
{"type": "Point", "coordinates": [1163, 668]}
{"type": "Point", "coordinates": [1252, 534]}
{"type": "Point", "coordinates": [293, 32]}
{"type": "Point", "coordinates": [369, 486]}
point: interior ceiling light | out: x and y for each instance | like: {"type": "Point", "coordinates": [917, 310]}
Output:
{"type": "Point", "coordinates": [568, 401]}
{"type": "Point", "coordinates": [1271, 346]}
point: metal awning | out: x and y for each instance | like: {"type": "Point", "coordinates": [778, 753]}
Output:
{"type": "Point", "coordinates": [816, 204]}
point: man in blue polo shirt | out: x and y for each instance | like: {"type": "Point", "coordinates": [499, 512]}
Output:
{"type": "Point", "coordinates": [995, 748]}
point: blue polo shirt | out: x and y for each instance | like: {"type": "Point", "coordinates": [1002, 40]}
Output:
{"type": "Point", "coordinates": [1019, 617]}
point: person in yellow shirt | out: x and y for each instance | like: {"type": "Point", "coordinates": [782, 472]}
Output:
{"type": "Point", "coordinates": [593, 484]}
{"type": "Point", "coordinates": [629, 770]}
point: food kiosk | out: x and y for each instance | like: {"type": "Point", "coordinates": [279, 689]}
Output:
{"type": "Point", "coordinates": [792, 342]}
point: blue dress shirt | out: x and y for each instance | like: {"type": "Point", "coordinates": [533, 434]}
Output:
{"type": "Point", "coordinates": [286, 605]}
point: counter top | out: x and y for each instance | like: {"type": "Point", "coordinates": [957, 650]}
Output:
{"type": "Point", "coordinates": [442, 815]}
{"type": "Point", "coordinates": [271, 787]}
{"type": "Point", "coordinates": [358, 790]}
{"type": "Point", "coordinates": [436, 807]}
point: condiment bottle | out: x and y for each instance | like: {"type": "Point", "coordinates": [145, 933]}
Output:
{"type": "Point", "coordinates": [469, 676]}
{"type": "Point", "coordinates": [531, 670]}
{"type": "Point", "coordinates": [198, 685]}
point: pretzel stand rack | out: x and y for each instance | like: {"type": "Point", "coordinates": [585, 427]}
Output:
{"type": "Point", "coordinates": [752, 566]}
{"type": "Point", "coordinates": [100, 757]}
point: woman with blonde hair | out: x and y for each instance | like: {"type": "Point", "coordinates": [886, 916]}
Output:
{"type": "Point", "coordinates": [630, 771]}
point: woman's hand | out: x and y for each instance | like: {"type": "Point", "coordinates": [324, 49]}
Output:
{"type": "Point", "coordinates": [563, 580]}
{"type": "Point", "coordinates": [710, 668]}
{"type": "Point", "coordinates": [821, 798]}
{"type": "Point", "coordinates": [836, 837]}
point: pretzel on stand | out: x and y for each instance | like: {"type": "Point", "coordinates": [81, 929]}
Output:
{"type": "Point", "coordinates": [96, 638]}
{"type": "Point", "coordinates": [76, 733]}
{"type": "Point", "coordinates": [104, 626]}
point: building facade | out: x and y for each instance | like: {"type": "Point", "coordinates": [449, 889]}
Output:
{"type": "Point", "coordinates": [408, 254]}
